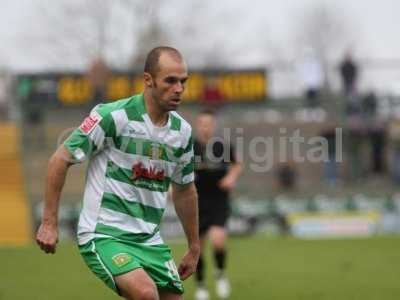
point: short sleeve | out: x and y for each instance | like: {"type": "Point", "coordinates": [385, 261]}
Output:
{"type": "Point", "coordinates": [184, 171]}
{"type": "Point", "coordinates": [90, 137]}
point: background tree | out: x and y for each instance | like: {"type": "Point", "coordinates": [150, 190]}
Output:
{"type": "Point", "coordinates": [327, 31]}
{"type": "Point", "coordinates": [76, 32]}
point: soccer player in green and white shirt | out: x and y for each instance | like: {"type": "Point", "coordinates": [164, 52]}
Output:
{"type": "Point", "coordinates": [137, 147]}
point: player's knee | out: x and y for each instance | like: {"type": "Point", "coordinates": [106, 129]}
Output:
{"type": "Point", "coordinates": [148, 293]}
{"type": "Point", "coordinates": [219, 246]}
{"type": "Point", "coordinates": [145, 293]}
{"type": "Point", "coordinates": [218, 242]}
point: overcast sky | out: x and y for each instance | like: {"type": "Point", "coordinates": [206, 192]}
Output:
{"type": "Point", "coordinates": [257, 25]}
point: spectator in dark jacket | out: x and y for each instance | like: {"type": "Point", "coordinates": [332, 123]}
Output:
{"type": "Point", "coordinates": [349, 74]}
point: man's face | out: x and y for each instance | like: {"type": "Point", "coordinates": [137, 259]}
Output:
{"type": "Point", "coordinates": [168, 85]}
{"type": "Point", "coordinates": [205, 126]}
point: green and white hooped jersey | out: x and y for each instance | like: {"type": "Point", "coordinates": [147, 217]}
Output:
{"type": "Point", "coordinates": [132, 163]}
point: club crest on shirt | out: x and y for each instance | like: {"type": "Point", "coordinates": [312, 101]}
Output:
{"type": "Point", "coordinates": [121, 259]}
{"type": "Point", "coordinates": [152, 173]}
{"type": "Point", "coordinates": [90, 122]}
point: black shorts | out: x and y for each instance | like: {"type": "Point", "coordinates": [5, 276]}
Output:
{"type": "Point", "coordinates": [215, 213]}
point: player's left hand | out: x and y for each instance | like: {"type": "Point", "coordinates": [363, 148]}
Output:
{"type": "Point", "coordinates": [188, 264]}
{"type": "Point", "coordinates": [227, 183]}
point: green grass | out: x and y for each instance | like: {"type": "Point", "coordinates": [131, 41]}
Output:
{"type": "Point", "coordinates": [259, 268]}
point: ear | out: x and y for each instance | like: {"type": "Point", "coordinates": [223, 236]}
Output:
{"type": "Point", "coordinates": [148, 80]}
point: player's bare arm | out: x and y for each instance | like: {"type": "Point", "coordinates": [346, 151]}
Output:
{"type": "Point", "coordinates": [228, 182]}
{"type": "Point", "coordinates": [47, 235]}
{"type": "Point", "coordinates": [186, 206]}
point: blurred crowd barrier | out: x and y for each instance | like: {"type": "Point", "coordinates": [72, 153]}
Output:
{"type": "Point", "coordinates": [320, 216]}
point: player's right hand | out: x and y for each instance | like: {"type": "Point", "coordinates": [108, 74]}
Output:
{"type": "Point", "coordinates": [47, 237]}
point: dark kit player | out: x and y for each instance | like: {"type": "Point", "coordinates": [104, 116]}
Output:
{"type": "Point", "coordinates": [216, 172]}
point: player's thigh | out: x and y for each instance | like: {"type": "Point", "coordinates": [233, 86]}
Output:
{"type": "Point", "coordinates": [217, 235]}
{"type": "Point", "coordinates": [166, 295]}
{"type": "Point", "coordinates": [136, 284]}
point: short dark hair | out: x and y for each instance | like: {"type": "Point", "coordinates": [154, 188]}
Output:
{"type": "Point", "coordinates": [151, 65]}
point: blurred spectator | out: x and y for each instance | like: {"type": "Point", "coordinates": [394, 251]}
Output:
{"type": "Point", "coordinates": [377, 140]}
{"type": "Point", "coordinates": [98, 74]}
{"type": "Point", "coordinates": [394, 137]}
{"type": "Point", "coordinates": [369, 105]}
{"type": "Point", "coordinates": [286, 176]}
{"type": "Point", "coordinates": [312, 75]}
{"type": "Point", "coordinates": [354, 106]}
{"type": "Point", "coordinates": [330, 172]}
{"type": "Point", "coordinates": [356, 134]}
{"type": "Point", "coordinates": [211, 93]}
{"type": "Point", "coordinates": [376, 132]}
{"type": "Point", "coordinates": [349, 74]}
{"type": "Point", "coordinates": [34, 108]}
{"type": "Point", "coordinates": [3, 96]}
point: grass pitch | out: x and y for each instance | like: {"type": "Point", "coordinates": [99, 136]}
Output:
{"type": "Point", "coordinates": [259, 268]}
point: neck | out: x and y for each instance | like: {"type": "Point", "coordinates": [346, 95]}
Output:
{"type": "Point", "coordinates": [158, 116]}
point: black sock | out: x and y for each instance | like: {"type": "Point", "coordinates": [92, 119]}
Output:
{"type": "Point", "coordinates": [200, 271]}
{"type": "Point", "coordinates": [220, 260]}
